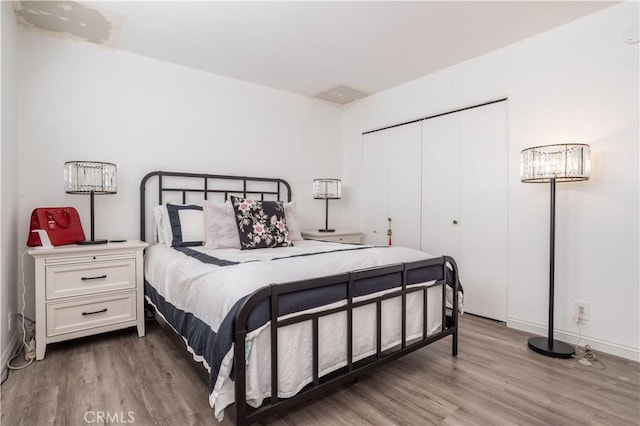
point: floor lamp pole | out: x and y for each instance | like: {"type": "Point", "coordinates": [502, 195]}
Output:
{"type": "Point", "coordinates": [552, 258]}
{"type": "Point", "coordinates": [548, 346]}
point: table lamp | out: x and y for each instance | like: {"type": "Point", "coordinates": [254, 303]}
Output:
{"type": "Point", "coordinates": [327, 189]}
{"type": "Point", "coordinates": [93, 178]}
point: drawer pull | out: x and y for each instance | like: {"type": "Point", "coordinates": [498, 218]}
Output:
{"type": "Point", "coordinates": [95, 312]}
{"type": "Point", "coordinates": [93, 278]}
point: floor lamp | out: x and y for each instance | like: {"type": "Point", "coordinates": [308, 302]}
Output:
{"type": "Point", "coordinates": [551, 164]}
{"type": "Point", "coordinates": [93, 178]}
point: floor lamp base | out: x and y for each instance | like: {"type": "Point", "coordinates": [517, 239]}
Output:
{"type": "Point", "coordinates": [557, 350]}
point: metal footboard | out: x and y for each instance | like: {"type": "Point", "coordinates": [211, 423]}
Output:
{"type": "Point", "coordinates": [274, 405]}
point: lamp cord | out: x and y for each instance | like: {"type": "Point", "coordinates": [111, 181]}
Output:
{"type": "Point", "coordinates": [25, 345]}
{"type": "Point", "coordinates": [587, 357]}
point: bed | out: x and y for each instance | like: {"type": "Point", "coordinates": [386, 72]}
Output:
{"type": "Point", "coordinates": [335, 311]}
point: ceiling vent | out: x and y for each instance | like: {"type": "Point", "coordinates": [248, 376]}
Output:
{"type": "Point", "coordinates": [341, 95]}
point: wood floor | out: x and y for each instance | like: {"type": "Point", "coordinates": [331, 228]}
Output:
{"type": "Point", "coordinates": [495, 380]}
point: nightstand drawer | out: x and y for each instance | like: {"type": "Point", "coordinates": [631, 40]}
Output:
{"type": "Point", "coordinates": [343, 238]}
{"type": "Point", "coordinates": [82, 314]}
{"type": "Point", "coordinates": [352, 237]}
{"type": "Point", "coordinates": [82, 279]}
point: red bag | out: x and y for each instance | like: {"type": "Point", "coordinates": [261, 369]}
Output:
{"type": "Point", "coordinates": [61, 223]}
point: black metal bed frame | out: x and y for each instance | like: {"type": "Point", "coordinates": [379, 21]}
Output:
{"type": "Point", "coordinates": [274, 405]}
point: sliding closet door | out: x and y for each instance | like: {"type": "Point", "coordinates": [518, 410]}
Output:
{"type": "Point", "coordinates": [441, 185]}
{"type": "Point", "coordinates": [443, 182]}
{"type": "Point", "coordinates": [483, 210]}
{"type": "Point", "coordinates": [391, 185]}
{"type": "Point", "coordinates": [464, 201]}
{"type": "Point", "coordinates": [404, 185]}
{"type": "Point", "coordinates": [375, 188]}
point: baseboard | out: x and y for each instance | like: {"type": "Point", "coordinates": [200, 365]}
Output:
{"type": "Point", "coordinates": [627, 352]}
{"type": "Point", "coordinates": [8, 351]}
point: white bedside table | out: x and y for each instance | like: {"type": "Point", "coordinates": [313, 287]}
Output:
{"type": "Point", "coordinates": [87, 289]}
{"type": "Point", "coordinates": [342, 236]}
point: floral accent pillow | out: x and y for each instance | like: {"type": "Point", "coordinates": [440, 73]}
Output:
{"type": "Point", "coordinates": [261, 224]}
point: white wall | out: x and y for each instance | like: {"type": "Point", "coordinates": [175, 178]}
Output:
{"type": "Point", "coordinates": [576, 83]}
{"type": "Point", "coordinates": [9, 182]}
{"type": "Point", "coordinates": [79, 101]}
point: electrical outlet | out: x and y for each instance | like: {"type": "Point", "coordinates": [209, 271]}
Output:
{"type": "Point", "coordinates": [10, 321]}
{"type": "Point", "coordinates": [582, 310]}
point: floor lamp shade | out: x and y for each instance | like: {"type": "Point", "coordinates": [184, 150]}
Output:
{"type": "Point", "coordinates": [327, 189]}
{"type": "Point", "coordinates": [551, 164]}
{"type": "Point", "coordinates": [92, 178]}
{"type": "Point", "coordinates": [564, 163]}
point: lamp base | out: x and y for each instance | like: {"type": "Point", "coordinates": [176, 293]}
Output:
{"type": "Point", "coordinates": [557, 350]}
{"type": "Point", "coordinates": [326, 230]}
{"type": "Point", "coordinates": [90, 242]}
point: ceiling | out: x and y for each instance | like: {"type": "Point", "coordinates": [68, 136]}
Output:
{"type": "Point", "coordinates": [337, 51]}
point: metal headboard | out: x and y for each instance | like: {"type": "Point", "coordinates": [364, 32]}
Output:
{"type": "Point", "coordinates": [202, 185]}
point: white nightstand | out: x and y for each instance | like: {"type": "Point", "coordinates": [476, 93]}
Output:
{"type": "Point", "coordinates": [87, 289]}
{"type": "Point", "coordinates": [342, 236]}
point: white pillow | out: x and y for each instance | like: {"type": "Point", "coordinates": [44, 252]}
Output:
{"type": "Point", "coordinates": [163, 227]}
{"type": "Point", "coordinates": [218, 228]}
{"type": "Point", "coordinates": [185, 222]}
{"type": "Point", "coordinates": [221, 229]}
{"type": "Point", "coordinates": [291, 217]}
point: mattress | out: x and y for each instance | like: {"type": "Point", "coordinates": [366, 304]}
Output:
{"type": "Point", "coordinates": [198, 290]}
